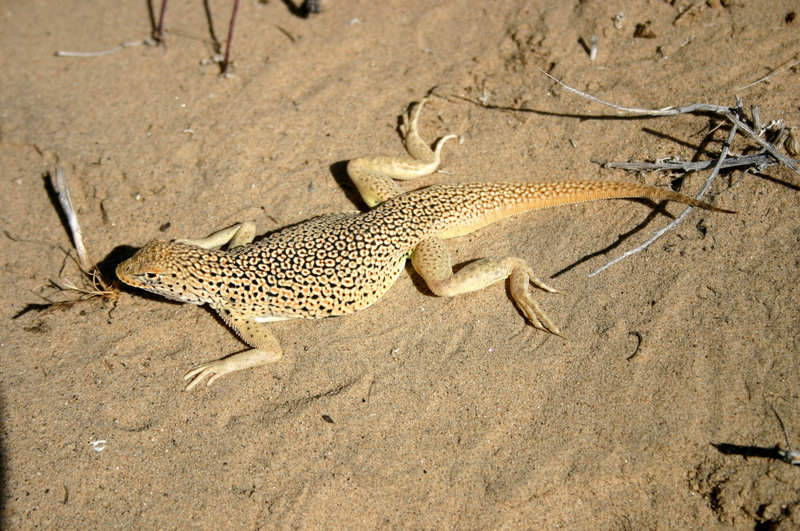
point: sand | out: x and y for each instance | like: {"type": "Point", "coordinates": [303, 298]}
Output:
{"type": "Point", "coordinates": [421, 411]}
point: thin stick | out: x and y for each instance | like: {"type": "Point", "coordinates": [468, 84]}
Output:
{"type": "Point", "coordinates": [666, 111]}
{"type": "Point", "coordinates": [789, 456]}
{"type": "Point", "coordinates": [94, 284]}
{"type": "Point", "coordinates": [683, 214]}
{"type": "Point", "coordinates": [159, 34]}
{"type": "Point", "coordinates": [760, 160]}
{"type": "Point", "coordinates": [778, 69]}
{"type": "Point", "coordinates": [226, 61]}
{"type": "Point", "coordinates": [725, 112]}
{"type": "Point", "coordinates": [72, 220]}
{"type": "Point", "coordinates": [64, 53]}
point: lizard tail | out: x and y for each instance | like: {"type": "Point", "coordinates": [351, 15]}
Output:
{"type": "Point", "coordinates": [475, 205]}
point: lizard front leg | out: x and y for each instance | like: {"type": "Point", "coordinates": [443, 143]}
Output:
{"type": "Point", "coordinates": [374, 176]}
{"type": "Point", "coordinates": [432, 261]}
{"type": "Point", "coordinates": [266, 349]}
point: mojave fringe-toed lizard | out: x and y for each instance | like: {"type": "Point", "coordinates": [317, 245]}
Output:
{"type": "Point", "coordinates": [337, 264]}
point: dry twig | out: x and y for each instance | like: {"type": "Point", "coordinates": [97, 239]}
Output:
{"type": "Point", "coordinates": [92, 284]}
{"type": "Point", "coordinates": [787, 456]}
{"type": "Point", "coordinates": [659, 233]}
{"type": "Point", "coordinates": [65, 53]}
{"type": "Point", "coordinates": [759, 161]}
{"type": "Point", "coordinates": [60, 186]}
{"type": "Point", "coordinates": [733, 115]}
{"type": "Point", "coordinates": [786, 65]}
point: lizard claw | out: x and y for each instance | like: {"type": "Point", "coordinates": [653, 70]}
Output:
{"type": "Point", "coordinates": [237, 362]}
{"type": "Point", "coordinates": [520, 279]}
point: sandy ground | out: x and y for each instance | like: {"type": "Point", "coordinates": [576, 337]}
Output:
{"type": "Point", "coordinates": [421, 411]}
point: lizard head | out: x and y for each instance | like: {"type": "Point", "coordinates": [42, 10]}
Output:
{"type": "Point", "coordinates": [168, 269]}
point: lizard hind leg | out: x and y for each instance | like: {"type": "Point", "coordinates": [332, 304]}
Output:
{"type": "Point", "coordinates": [415, 145]}
{"type": "Point", "coordinates": [234, 236]}
{"type": "Point", "coordinates": [375, 176]}
{"type": "Point", "coordinates": [432, 261]}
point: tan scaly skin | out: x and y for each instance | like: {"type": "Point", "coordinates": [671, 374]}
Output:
{"type": "Point", "coordinates": [341, 263]}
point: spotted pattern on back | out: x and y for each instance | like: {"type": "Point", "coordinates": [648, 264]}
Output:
{"type": "Point", "coordinates": [340, 263]}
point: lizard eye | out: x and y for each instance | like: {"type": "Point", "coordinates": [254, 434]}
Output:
{"type": "Point", "coordinates": [150, 275]}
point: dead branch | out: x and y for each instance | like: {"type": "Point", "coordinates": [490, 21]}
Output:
{"type": "Point", "coordinates": [759, 161]}
{"type": "Point", "coordinates": [93, 283]}
{"type": "Point", "coordinates": [733, 115]}
{"type": "Point", "coordinates": [659, 233]}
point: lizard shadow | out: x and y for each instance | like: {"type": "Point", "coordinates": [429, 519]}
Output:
{"type": "Point", "coordinates": [107, 266]}
{"type": "Point", "coordinates": [658, 209]}
{"type": "Point", "coordinates": [339, 172]}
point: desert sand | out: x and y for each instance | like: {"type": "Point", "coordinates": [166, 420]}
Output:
{"type": "Point", "coordinates": [419, 412]}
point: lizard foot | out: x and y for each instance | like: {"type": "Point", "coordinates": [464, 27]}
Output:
{"type": "Point", "coordinates": [520, 279]}
{"type": "Point", "coordinates": [237, 362]}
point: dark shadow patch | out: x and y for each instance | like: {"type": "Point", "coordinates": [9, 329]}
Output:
{"type": "Point", "coordinates": [339, 172]}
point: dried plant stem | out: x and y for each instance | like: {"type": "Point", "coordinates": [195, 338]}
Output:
{"type": "Point", "coordinates": [786, 65]}
{"type": "Point", "coordinates": [726, 112]}
{"type": "Point", "coordinates": [94, 284]}
{"type": "Point", "coordinates": [60, 186]}
{"type": "Point", "coordinates": [732, 115]}
{"type": "Point", "coordinates": [64, 53]}
{"type": "Point", "coordinates": [759, 161]}
{"type": "Point", "coordinates": [658, 234]}
{"type": "Point", "coordinates": [226, 62]}
{"type": "Point", "coordinates": [158, 34]}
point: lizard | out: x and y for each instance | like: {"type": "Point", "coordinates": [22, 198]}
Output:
{"type": "Point", "coordinates": [337, 264]}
